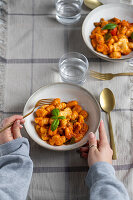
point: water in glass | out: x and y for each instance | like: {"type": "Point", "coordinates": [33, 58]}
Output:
{"type": "Point", "coordinates": [68, 11]}
{"type": "Point", "coordinates": [73, 70]}
{"type": "Point", "coordinates": [130, 2]}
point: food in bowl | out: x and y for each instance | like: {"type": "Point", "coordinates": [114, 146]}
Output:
{"type": "Point", "coordinates": [112, 37]}
{"type": "Point", "coordinates": [61, 123]}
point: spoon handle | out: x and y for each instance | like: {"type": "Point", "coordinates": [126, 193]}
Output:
{"type": "Point", "coordinates": [112, 142]}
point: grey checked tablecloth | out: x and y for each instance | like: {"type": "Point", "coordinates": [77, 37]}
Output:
{"type": "Point", "coordinates": [31, 43]}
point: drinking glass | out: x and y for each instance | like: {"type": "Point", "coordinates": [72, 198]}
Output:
{"type": "Point", "coordinates": [73, 67]}
{"type": "Point", "coordinates": [68, 11]}
{"type": "Point", "coordinates": [130, 2]}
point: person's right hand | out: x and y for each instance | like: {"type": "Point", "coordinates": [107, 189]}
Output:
{"type": "Point", "coordinates": [101, 152]}
{"type": "Point", "coordinates": [13, 132]}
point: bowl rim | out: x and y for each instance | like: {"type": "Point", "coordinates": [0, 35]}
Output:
{"type": "Point", "coordinates": [83, 34]}
{"type": "Point", "coordinates": [50, 147]}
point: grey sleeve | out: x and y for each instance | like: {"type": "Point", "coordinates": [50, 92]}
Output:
{"type": "Point", "coordinates": [15, 169]}
{"type": "Point", "coordinates": [103, 184]}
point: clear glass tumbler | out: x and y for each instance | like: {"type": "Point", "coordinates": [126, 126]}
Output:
{"type": "Point", "coordinates": [73, 67]}
{"type": "Point", "coordinates": [130, 2]}
{"type": "Point", "coordinates": [68, 11]}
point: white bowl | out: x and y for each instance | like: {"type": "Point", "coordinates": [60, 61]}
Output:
{"type": "Point", "coordinates": [108, 11]}
{"type": "Point", "coordinates": [66, 92]}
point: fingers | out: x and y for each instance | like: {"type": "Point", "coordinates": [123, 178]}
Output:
{"type": "Point", "coordinates": [11, 119]}
{"type": "Point", "coordinates": [86, 145]}
{"type": "Point", "coordinates": [84, 155]}
{"type": "Point", "coordinates": [102, 134]}
{"type": "Point", "coordinates": [84, 149]}
{"type": "Point", "coordinates": [92, 140]}
{"type": "Point", "coordinates": [22, 121]}
{"type": "Point", "coordinates": [16, 129]}
{"type": "Point", "coordinates": [21, 126]}
{"type": "Point", "coordinates": [84, 152]}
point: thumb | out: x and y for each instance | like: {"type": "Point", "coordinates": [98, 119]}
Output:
{"type": "Point", "coordinates": [16, 129]}
{"type": "Point", "coordinates": [102, 134]}
{"type": "Point", "coordinates": [92, 140]}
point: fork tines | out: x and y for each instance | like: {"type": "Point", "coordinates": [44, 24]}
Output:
{"type": "Point", "coordinates": [101, 76]}
{"type": "Point", "coordinates": [45, 101]}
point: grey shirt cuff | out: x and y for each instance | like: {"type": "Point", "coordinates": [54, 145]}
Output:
{"type": "Point", "coordinates": [98, 171]}
{"type": "Point", "coordinates": [12, 146]}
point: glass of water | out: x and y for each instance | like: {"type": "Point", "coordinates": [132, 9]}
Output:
{"type": "Point", "coordinates": [130, 2]}
{"type": "Point", "coordinates": [73, 67]}
{"type": "Point", "coordinates": [68, 11]}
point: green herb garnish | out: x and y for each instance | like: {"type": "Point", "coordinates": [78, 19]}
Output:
{"type": "Point", "coordinates": [109, 26]}
{"type": "Point", "coordinates": [61, 117]}
{"type": "Point", "coordinates": [107, 36]}
{"type": "Point", "coordinates": [55, 115]}
{"type": "Point", "coordinates": [55, 124]}
{"type": "Point", "coordinates": [132, 35]}
{"type": "Point", "coordinates": [55, 112]}
{"type": "Point", "coordinates": [71, 141]}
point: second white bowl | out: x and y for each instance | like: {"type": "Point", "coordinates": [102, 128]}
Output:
{"type": "Point", "coordinates": [108, 11]}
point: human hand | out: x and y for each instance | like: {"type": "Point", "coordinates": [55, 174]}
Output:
{"type": "Point", "coordinates": [12, 132]}
{"type": "Point", "coordinates": [101, 151]}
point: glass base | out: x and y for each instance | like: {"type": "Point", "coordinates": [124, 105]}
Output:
{"type": "Point", "coordinates": [73, 82]}
{"type": "Point", "coordinates": [68, 21]}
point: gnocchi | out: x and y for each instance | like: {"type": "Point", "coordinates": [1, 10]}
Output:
{"type": "Point", "coordinates": [113, 37]}
{"type": "Point", "coordinates": [71, 125]}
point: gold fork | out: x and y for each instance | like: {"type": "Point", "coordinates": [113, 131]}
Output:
{"type": "Point", "coordinates": [108, 76]}
{"type": "Point", "coordinates": [40, 103]}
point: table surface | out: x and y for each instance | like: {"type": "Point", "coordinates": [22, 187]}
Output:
{"type": "Point", "coordinates": [34, 42]}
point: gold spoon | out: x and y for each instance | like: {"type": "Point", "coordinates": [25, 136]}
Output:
{"type": "Point", "coordinates": [92, 3]}
{"type": "Point", "coordinates": [107, 102]}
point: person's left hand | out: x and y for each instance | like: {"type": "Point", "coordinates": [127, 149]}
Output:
{"type": "Point", "coordinates": [12, 132]}
{"type": "Point", "coordinates": [99, 150]}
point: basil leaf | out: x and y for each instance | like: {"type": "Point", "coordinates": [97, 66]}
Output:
{"type": "Point", "coordinates": [132, 35]}
{"type": "Point", "coordinates": [107, 36]}
{"type": "Point", "coordinates": [74, 121]}
{"type": "Point", "coordinates": [67, 142]}
{"type": "Point", "coordinates": [61, 117]}
{"type": "Point", "coordinates": [109, 26]}
{"type": "Point", "coordinates": [54, 125]}
{"type": "Point", "coordinates": [54, 117]}
{"type": "Point", "coordinates": [71, 141]}
{"type": "Point", "coordinates": [55, 112]}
